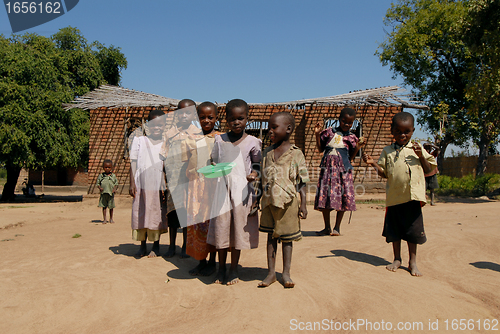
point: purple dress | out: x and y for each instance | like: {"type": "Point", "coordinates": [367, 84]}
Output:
{"type": "Point", "coordinates": [336, 185]}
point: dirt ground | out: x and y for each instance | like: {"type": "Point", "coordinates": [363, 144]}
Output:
{"type": "Point", "coordinates": [51, 282]}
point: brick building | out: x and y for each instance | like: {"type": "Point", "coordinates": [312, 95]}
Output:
{"type": "Point", "coordinates": [115, 112]}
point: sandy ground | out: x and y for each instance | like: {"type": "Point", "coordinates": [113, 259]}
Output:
{"type": "Point", "coordinates": [51, 282]}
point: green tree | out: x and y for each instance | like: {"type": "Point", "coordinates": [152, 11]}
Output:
{"type": "Point", "coordinates": [482, 35]}
{"type": "Point", "coordinates": [37, 75]}
{"type": "Point", "coordinates": [425, 47]}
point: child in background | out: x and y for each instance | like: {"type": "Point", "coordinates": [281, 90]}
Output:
{"type": "Point", "coordinates": [175, 157]}
{"type": "Point", "coordinates": [284, 175]}
{"type": "Point", "coordinates": [404, 163]}
{"type": "Point", "coordinates": [107, 184]}
{"type": "Point", "coordinates": [200, 190]}
{"type": "Point", "coordinates": [431, 181]}
{"type": "Point", "coordinates": [146, 186]}
{"type": "Point", "coordinates": [233, 228]}
{"type": "Point", "coordinates": [335, 183]}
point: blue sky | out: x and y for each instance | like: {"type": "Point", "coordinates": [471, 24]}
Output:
{"type": "Point", "coordinates": [260, 51]}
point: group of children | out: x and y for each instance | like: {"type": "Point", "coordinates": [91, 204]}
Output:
{"type": "Point", "coordinates": [220, 215]}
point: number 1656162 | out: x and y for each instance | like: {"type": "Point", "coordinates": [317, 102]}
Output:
{"type": "Point", "coordinates": [26, 7]}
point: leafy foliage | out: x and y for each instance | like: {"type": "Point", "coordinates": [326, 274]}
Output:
{"type": "Point", "coordinates": [468, 185]}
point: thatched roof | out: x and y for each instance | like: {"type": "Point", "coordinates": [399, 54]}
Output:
{"type": "Point", "coordinates": [115, 97]}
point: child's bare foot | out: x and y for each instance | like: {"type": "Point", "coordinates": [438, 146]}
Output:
{"type": "Point", "coordinates": [155, 251]}
{"type": "Point", "coordinates": [287, 281]}
{"type": "Point", "coordinates": [208, 270]}
{"type": "Point", "coordinates": [232, 277]}
{"type": "Point", "coordinates": [141, 252]}
{"type": "Point", "coordinates": [270, 279]}
{"type": "Point", "coordinates": [414, 270]}
{"type": "Point", "coordinates": [105, 221]}
{"type": "Point", "coordinates": [335, 233]}
{"type": "Point", "coordinates": [171, 252]}
{"type": "Point", "coordinates": [196, 270]}
{"type": "Point", "coordinates": [183, 253]}
{"type": "Point", "coordinates": [111, 221]}
{"type": "Point", "coordinates": [152, 254]}
{"type": "Point", "coordinates": [394, 266]}
{"type": "Point", "coordinates": [220, 277]}
{"type": "Point", "coordinates": [324, 231]}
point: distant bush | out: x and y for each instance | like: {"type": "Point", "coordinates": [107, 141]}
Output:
{"type": "Point", "coordinates": [469, 185]}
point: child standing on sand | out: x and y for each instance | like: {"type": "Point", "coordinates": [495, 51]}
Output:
{"type": "Point", "coordinates": [146, 186]}
{"type": "Point", "coordinates": [233, 227]}
{"type": "Point", "coordinates": [404, 163]}
{"type": "Point", "coordinates": [107, 184]}
{"type": "Point", "coordinates": [431, 181]}
{"type": "Point", "coordinates": [284, 175]}
{"type": "Point", "coordinates": [200, 190]}
{"type": "Point", "coordinates": [335, 183]}
{"type": "Point", "coordinates": [174, 154]}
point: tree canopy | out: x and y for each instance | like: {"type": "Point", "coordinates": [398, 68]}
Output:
{"type": "Point", "coordinates": [431, 47]}
{"type": "Point", "coordinates": [37, 75]}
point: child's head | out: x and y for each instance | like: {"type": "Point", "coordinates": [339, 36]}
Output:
{"type": "Point", "coordinates": [184, 113]}
{"type": "Point", "coordinates": [237, 115]}
{"type": "Point", "coordinates": [346, 119]}
{"type": "Point", "coordinates": [207, 115]}
{"type": "Point", "coordinates": [281, 126]}
{"type": "Point", "coordinates": [402, 127]}
{"type": "Point", "coordinates": [156, 123]}
{"type": "Point", "coordinates": [107, 165]}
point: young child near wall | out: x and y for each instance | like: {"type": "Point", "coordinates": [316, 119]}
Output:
{"type": "Point", "coordinates": [200, 192]}
{"type": "Point", "coordinates": [335, 184]}
{"type": "Point", "coordinates": [175, 157]}
{"type": "Point", "coordinates": [284, 175]}
{"type": "Point", "coordinates": [147, 186]}
{"type": "Point", "coordinates": [404, 163]}
{"type": "Point", "coordinates": [107, 183]}
{"type": "Point", "coordinates": [236, 225]}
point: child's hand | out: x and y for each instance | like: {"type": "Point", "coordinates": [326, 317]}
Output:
{"type": "Point", "coordinates": [303, 212]}
{"type": "Point", "coordinates": [361, 142]}
{"type": "Point", "coordinates": [417, 149]}
{"type": "Point", "coordinates": [100, 189]}
{"type": "Point", "coordinates": [368, 159]}
{"type": "Point", "coordinates": [318, 128]}
{"type": "Point", "coordinates": [132, 190]}
{"type": "Point", "coordinates": [252, 176]}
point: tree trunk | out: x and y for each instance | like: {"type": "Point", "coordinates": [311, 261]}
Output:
{"type": "Point", "coordinates": [484, 144]}
{"type": "Point", "coordinates": [9, 187]}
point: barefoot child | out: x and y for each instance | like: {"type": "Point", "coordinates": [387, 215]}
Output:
{"type": "Point", "coordinates": [200, 190]}
{"type": "Point", "coordinates": [107, 184]}
{"type": "Point", "coordinates": [335, 183]}
{"type": "Point", "coordinates": [233, 229]}
{"type": "Point", "coordinates": [174, 155]}
{"type": "Point", "coordinates": [431, 181]}
{"type": "Point", "coordinates": [284, 175]}
{"type": "Point", "coordinates": [146, 186]}
{"type": "Point", "coordinates": [404, 163]}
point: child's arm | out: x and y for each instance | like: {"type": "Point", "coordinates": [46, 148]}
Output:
{"type": "Point", "coordinates": [98, 183]}
{"type": "Point", "coordinates": [133, 167]}
{"type": "Point", "coordinates": [318, 128]}
{"type": "Point", "coordinates": [115, 181]}
{"type": "Point", "coordinates": [359, 145]}
{"type": "Point", "coordinates": [369, 160]}
{"type": "Point", "coordinates": [423, 161]}
{"type": "Point", "coordinates": [303, 207]}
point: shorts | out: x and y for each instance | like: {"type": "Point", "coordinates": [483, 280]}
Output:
{"type": "Point", "coordinates": [431, 182]}
{"type": "Point", "coordinates": [404, 222]}
{"type": "Point", "coordinates": [283, 224]}
{"type": "Point", "coordinates": [152, 235]}
{"type": "Point", "coordinates": [107, 201]}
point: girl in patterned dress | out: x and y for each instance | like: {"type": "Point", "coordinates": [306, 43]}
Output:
{"type": "Point", "coordinates": [336, 185]}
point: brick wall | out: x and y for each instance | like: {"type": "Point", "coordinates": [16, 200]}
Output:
{"type": "Point", "coordinates": [108, 125]}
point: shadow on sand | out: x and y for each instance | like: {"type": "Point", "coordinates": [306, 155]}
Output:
{"type": "Point", "coordinates": [359, 257]}
{"type": "Point", "coordinates": [45, 199]}
{"type": "Point", "coordinates": [486, 265]}
{"type": "Point", "coordinates": [465, 200]}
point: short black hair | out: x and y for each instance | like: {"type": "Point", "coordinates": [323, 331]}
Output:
{"type": "Point", "coordinates": [207, 104]}
{"type": "Point", "coordinates": [402, 117]}
{"type": "Point", "coordinates": [189, 102]}
{"type": "Point", "coordinates": [236, 103]}
{"type": "Point", "coordinates": [107, 161]}
{"type": "Point", "coordinates": [289, 117]}
{"type": "Point", "coordinates": [347, 111]}
{"type": "Point", "coordinates": [157, 112]}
